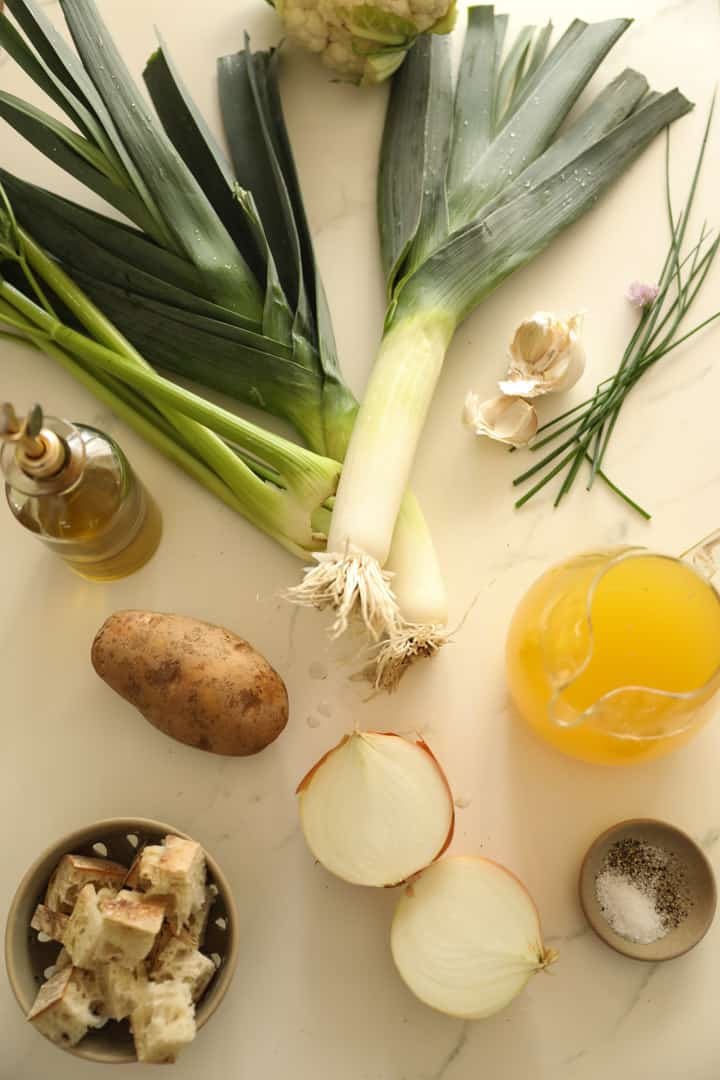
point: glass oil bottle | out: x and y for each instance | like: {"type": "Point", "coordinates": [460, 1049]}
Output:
{"type": "Point", "coordinates": [72, 487]}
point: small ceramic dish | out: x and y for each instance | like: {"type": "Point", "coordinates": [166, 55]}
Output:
{"type": "Point", "coordinates": [699, 880]}
{"type": "Point", "coordinates": [27, 956]}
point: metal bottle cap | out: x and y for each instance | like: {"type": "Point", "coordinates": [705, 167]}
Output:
{"type": "Point", "coordinates": [39, 452]}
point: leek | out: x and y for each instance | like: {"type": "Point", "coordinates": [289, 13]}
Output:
{"type": "Point", "coordinates": [215, 280]}
{"type": "Point", "coordinates": [457, 215]}
{"type": "Point", "coordinates": [224, 448]}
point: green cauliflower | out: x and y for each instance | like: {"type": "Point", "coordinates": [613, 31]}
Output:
{"type": "Point", "coordinates": [364, 43]}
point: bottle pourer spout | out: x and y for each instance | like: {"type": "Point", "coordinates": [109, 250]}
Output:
{"type": "Point", "coordinates": [39, 452]}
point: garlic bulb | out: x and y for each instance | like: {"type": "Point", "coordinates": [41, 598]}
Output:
{"type": "Point", "coordinates": [546, 356]}
{"type": "Point", "coordinates": [508, 420]}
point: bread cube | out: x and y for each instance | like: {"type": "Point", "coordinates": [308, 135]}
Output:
{"type": "Point", "coordinates": [179, 960]}
{"type": "Point", "coordinates": [63, 960]}
{"type": "Point", "coordinates": [164, 1022]}
{"type": "Point", "coordinates": [197, 923]}
{"type": "Point", "coordinates": [122, 988]}
{"type": "Point", "coordinates": [84, 929]}
{"type": "Point", "coordinates": [67, 1005]}
{"type": "Point", "coordinates": [104, 927]}
{"type": "Point", "coordinates": [73, 872]}
{"type": "Point", "coordinates": [132, 878]}
{"type": "Point", "coordinates": [175, 869]}
{"type": "Point", "coordinates": [52, 923]}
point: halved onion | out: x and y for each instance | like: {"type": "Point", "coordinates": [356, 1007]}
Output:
{"type": "Point", "coordinates": [466, 937]}
{"type": "Point", "coordinates": [376, 809]}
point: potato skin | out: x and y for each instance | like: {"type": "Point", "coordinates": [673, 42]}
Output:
{"type": "Point", "coordinates": [194, 681]}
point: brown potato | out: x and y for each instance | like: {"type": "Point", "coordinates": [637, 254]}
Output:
{"type": "Point", "coordinates": [198, 683]}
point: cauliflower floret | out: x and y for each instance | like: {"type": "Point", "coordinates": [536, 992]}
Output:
{"type": "Point", "coordinates": [361, 41]}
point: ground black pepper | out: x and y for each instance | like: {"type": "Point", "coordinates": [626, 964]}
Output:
{"type": "Point", "coordinates": [657, 873]}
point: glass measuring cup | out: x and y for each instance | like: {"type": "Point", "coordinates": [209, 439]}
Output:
{"type": "Point", "coordinates": [614, 656]}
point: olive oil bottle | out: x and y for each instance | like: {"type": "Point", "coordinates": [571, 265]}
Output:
{"type": "Point", "coordinates": [72, 487]}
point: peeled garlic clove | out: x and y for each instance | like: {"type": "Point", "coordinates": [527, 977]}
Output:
{"type": "Point", "coordinates": [466, 937]}
{"type": "Point", "coordinates": [376, 809]}
{"type": "Point", "coordinates": [547, 356]}
{"type": "Point", "coordinates": [505, 419]}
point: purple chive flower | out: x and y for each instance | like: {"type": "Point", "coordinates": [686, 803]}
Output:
{"type": "Point", "coordinates": [640, 294]}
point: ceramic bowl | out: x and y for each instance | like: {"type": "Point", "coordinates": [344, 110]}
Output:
{"type": "Point", "coordinates": [27, 957]}
{"type": "Point", "coordinates": [699, 879]}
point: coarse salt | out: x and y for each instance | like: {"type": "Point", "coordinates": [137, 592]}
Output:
{"type": "Point", "coordinates": [629, 909]}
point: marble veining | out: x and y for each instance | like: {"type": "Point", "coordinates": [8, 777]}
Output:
{"type": "Point", "coordinates": [455, 1052]}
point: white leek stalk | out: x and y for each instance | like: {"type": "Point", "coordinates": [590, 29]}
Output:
{"type": "Point", "coordinates": [349, 576]}
{"type": "Point", "coordinates": [419, 589]}
{"type": "Point", "coordinates": [382, 446]}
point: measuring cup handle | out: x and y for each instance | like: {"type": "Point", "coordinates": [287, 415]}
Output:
{"type": "Point", "coordinates": [705, 556]}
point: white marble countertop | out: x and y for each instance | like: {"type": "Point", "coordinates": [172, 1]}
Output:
{"type": "Point", "coordinates": [315, 994]}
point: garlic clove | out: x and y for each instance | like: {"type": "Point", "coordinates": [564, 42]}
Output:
{"type": "Point", "coordinates": [509, 420]}
{"type": "Point", "coordinates": [546, 356]}
{"type": "Point", "coordinates": [535, 341]}
{"type": "Point", "coordinates": [522, 388]}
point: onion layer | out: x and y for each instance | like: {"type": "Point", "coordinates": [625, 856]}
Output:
{"type": "Point", "coordinates": [376, 809]}
{"type": "Point", "coordinates": [466, 937]}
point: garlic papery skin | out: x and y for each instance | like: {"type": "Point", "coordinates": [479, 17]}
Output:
{"type": "Point", "coordinates": [546, 356]}
{"type": "Point", "coordinates": [466, 937]}
{"type": "Point", "coordinates": [509, 420]}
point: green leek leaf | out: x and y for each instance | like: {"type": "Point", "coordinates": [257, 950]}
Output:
{"type": "Point", "coordinates": [501, 28]}
{"type": "Point", "coordinates": [75, 110]}
{"type": "Point", "coordinates": [186, 212]}
{"type": "Point", "coordinates": [474, 96]}
{"type": "Point", "coordinates": [62, 222]}
{"type": "Point", "coordinates": [83, 103]}
{"type": "Point", "coordinates": [475, 260]}
{"type": "Point", "coordinates": [73, 154]}
{"type": "Point", "coordinates": [54, 51]}
{"type": "Point", "coordinates": [556, 54]}
{"type": "Point", "coordinates": [511, 72]}
{"type": "Point", "coordinates": [15, 46]}
{"type": "Point", "coordinates": [339, 405]}
{"type": "Point", "coordinates": [433, 226]}
{"type": "Point", "coordinates": [536, 57]}
{"type": "Point", "coordinates": [184, 347]}
{"type": "Point", "coordinates": [245, 123]}
{"type": "Point", "coordinates": [38, 127]}
{"type": "Point", "coordinates": [96, 259]}
{"type": "Point", "coordinates": [411, 179]}
{"type": "Point", "coordinates": [535, 122]}
{"type": "Point", "coordinates": [277, 317]}
{"type": "Point", "coordinates": [262, 74]}
{"type": "Point", "coordinates": [283, 151]}
{"type": "Point", "coordinates": [612, 105]}
{"type": "Point", "coordinates": [197, 146]}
